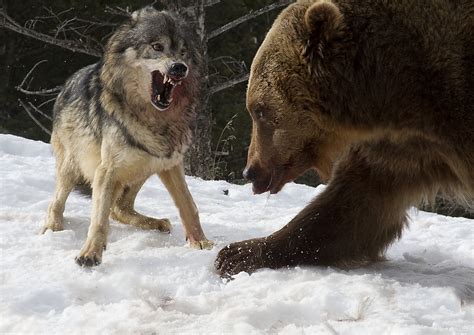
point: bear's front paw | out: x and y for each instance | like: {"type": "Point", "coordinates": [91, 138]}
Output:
{"type": "Point", "coordinates": [245, 256]}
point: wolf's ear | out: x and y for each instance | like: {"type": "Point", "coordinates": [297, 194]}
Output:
{"type": "Point", "coordinates": [136, 15]}
{"type": "Point", "coordinates": [324, 22]}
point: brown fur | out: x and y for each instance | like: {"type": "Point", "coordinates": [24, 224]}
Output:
{"type": "Point", "coordinates": [377, 96]}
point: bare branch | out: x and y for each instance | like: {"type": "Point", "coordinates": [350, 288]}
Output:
{"type": "Point", "coordinates": [97, 23]}
{"type": "Point", "coordinates": [50, 91]}
{"type": "Point", "coordinates": [40, 112]}
{"type": "Point", "coordinates": [188, 9]}
{"type": "Point", "coordinates": [229, 83]}
{"type": "Point", "coordinates": [210, 3]}
{"type": "Point", "coordinates": [27, 109]}
{"type": "Point", "coordinates": [52, 14]}
{"type": "Point", "coordinates": [227, 64]}
{"type": "Point", "coordinates": [245, 18]}
{"type": "Point", "coordinates": [59, 21]}
{"type": "Point", "coordinates": [74, 25]}
{"type": "Point", "coordinates": [8, 23]}
{"type": "Point", "coordinates": [21, 88]}
{"type": "Point", "coordinates": [125, 12]}
{"type": "Point", "coordinates": [47, 102]}
{"type": "Point", "coordinates": [31, 71]}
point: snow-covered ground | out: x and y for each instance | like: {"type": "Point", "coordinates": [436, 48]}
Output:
{"type": "Point", "coordinates": [150, 283]}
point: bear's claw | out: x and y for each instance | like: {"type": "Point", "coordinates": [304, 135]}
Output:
{"type": "Point", "coordinates": [246, 256]}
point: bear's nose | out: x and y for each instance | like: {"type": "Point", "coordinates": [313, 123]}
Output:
{"type": "Point", "coordinates": [178, 70]}
{"type": "Point", "coordinates": [250, 173]}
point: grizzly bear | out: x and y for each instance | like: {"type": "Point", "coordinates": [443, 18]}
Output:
{"type": "Point", "coordinates": [377, 96]}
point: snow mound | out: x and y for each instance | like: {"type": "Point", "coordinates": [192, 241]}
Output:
{"type": "Point", "coordinates": [150, 283]}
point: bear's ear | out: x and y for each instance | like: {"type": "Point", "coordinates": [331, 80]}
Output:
{"type": "Point", "coordinates": [324, 23]}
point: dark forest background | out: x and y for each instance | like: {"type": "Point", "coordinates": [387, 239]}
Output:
{"type": "Point", "coordinates": [91, 22]}
{"type": "Point", "coordinates": [229, 55]}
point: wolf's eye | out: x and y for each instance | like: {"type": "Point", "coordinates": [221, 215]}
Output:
{"type": "Point", "coordinates": [184, 51]}
{"type": "Point", "coordinates": [158, 47]}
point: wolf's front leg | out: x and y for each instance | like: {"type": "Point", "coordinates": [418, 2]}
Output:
{"type": "Point", "coordinates": [175, 182]}
{"type": "Point", "coordinates": [105, 190]}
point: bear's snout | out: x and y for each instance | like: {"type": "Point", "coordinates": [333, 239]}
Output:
{"type": "Point", "coordinates": [249, 173]}
{"type": "Point", "coordinates": [260, 178]}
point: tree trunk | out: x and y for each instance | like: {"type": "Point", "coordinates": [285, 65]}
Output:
{"type": "Point", "coordinates": [199, 158]}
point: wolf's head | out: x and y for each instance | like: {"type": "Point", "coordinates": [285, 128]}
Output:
{"type": "Point", "coordinates": [155, 55]}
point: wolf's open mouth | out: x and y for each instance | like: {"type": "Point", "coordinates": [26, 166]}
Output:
{"type": "Point", "coordinates": [162, 87]}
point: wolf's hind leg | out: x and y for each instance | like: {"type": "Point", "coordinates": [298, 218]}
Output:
{"type": "Point", "coordinates": [124, 212]}
{"type": "Point", "coordinates": [66, 179]}
{"type": "Point", "coordinates": [54, 220]}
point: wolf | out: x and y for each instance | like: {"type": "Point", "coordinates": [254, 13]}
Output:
{"type": "Point", "coordinates": [125, 118]}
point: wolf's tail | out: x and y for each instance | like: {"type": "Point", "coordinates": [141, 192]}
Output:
{"type": "Point", "coordinates": [84, 188]}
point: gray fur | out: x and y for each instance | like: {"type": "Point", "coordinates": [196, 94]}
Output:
{"type": "Point", "coordinates": [111, 130]}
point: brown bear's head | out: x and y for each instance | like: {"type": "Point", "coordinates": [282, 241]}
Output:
{"type": "Point", "coordinates": [290, 134]}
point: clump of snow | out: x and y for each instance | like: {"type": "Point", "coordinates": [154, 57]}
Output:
{"type": "Point", "coordinates": [150, 283]}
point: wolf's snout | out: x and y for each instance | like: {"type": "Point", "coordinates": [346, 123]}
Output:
{"type": "Point", "coordinates": [178, 70]}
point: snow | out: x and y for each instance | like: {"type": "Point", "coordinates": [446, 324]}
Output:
{"type": "Point", "coordinates": [151, 283]}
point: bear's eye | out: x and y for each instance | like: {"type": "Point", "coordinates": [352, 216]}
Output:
{"type": "Point", "coordinates": [260, 113]}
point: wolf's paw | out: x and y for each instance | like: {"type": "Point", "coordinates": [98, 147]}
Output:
{"type": "Point", "coordinates": [91, 254]}
{"type": "Point", "coordinates": [141, 221]}
{"type": "Point", "coordinates": [163, 225]}
{"type": "Point", "coordinates": [55, 226]}
{"type": "Point", "coordinates": [203, 244]}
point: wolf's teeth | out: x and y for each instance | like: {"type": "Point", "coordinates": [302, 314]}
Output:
{"type": "Point", "coordinates": [158, 97]}
{"type": "Point", "coordinates": [170, 100]}
{"type": "Point", "coordinates": [165, 79]}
